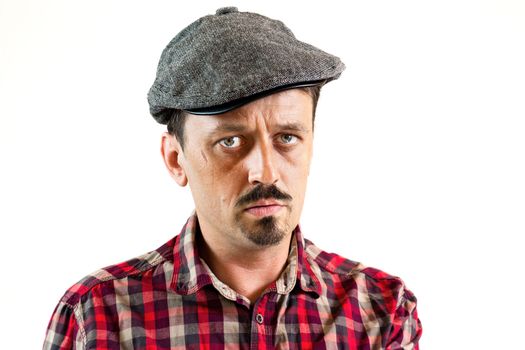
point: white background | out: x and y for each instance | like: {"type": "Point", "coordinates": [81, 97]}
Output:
{"type": "Point", "coordinates": [418, 167]}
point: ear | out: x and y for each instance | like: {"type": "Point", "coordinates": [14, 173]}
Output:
{"type": "Point", "coordinates": [173, 158]}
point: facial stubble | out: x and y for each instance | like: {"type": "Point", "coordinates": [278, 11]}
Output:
{"type": "Point", "coordinates": [265, 232]}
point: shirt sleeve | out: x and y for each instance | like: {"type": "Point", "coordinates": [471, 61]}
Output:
{"type": "Point", "coordinates": [63, 332]}
{"type": "Point", "coordinates": [406, 327]}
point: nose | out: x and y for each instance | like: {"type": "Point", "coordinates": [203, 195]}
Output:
{"type": "Point", "coordinates": [261, 165]}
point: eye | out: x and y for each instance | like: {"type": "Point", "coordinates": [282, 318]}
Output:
{"type": "Point", "coordinates": [231, 142]}
{"type": "Point", "coordinates": [288, 139]}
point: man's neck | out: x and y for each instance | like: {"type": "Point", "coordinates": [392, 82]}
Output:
{"type": "Point", "coordinates": [248, 271]}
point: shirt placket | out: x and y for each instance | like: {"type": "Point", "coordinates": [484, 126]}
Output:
{"type": "Point", "coordinates": [261, 328]}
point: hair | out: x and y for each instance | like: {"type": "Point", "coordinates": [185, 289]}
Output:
{"type": "Point", "coordinates": [178, 116]}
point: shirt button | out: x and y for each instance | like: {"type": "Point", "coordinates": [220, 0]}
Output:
{"type": "Point", "coordinates": [259, 318]}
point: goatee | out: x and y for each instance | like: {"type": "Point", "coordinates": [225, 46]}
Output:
{"type": "Point", "coordinates": [266, 233]}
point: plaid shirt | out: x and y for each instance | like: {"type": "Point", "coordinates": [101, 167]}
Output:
{"type": "Point", "coordinates": [170, 299]}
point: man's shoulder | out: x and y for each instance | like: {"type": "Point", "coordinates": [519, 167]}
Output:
{"type": "Point", "coordinates": [131, 268]}
{"type": "Point", "coordinates": [332, 265]}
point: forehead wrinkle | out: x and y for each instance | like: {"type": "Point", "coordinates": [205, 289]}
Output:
{"type": "Point", "coordinates": [273, 115]}
{"type": "Point", "coordinates": [291, 120]}
{"type": "Point", "coordinates": [230, 122]}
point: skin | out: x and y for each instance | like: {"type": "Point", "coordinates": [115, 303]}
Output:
{"type": "Point", "coordinates": [229, 156]}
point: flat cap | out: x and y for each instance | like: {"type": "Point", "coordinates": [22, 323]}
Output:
{"type": "Point", "coordinates": [222, 61]}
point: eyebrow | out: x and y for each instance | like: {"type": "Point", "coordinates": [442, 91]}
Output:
{"type": "Point", "coordinates": [228, 128]}
{"type": "Point", "coordinates": [293, 126]}
{"type": "Point", "coordinates": [239, 128]}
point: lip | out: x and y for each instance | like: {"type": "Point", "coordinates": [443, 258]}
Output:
{"type": "Point", "coordinates": [264, 208]}
{"type": "Point", "coordinates": [264, 203]}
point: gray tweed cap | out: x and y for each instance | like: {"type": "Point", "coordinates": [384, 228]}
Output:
{"type": "Point", "coordinates": [222, 61]}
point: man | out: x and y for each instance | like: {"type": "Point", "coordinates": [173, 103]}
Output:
{"type": "Point", "coordinates": [238, 93]}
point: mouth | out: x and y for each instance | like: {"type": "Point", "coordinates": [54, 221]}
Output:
{"type": "Point", "coordinates": [264, 208]}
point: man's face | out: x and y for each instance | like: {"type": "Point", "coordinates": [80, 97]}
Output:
{"type": "Point", "coordinates": [248, 168]}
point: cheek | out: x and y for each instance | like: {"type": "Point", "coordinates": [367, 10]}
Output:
{"type": "Point", "coordinates": [297, 164]}
{"type": "Point", "coordinates": [218, 182]}
{"type": "Point", "coordinates": [201, 176]}
{"type": "Point", "coordinates": [294, 177]}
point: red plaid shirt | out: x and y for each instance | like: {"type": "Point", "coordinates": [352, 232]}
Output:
{"type": "Point", "coordinates": [170, 299]}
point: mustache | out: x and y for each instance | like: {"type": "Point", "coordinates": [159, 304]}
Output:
{"type": "Point", "coordinates": [262, 192]}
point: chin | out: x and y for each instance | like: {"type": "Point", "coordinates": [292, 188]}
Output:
{"type": "Point", "coordinates": [267, 231]}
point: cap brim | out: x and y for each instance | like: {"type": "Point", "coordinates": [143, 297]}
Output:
{"type": "Point", "coordinates": [225, 107]}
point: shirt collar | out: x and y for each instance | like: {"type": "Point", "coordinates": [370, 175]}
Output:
{"type": "Point", "coordinates": [190, 273]}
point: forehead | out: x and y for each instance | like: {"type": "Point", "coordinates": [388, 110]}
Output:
{"type": "Point", "coordinates": [292, 106]}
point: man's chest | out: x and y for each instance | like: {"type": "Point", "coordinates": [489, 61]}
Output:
{"type": "Point", "coordinates": [208, 320]}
